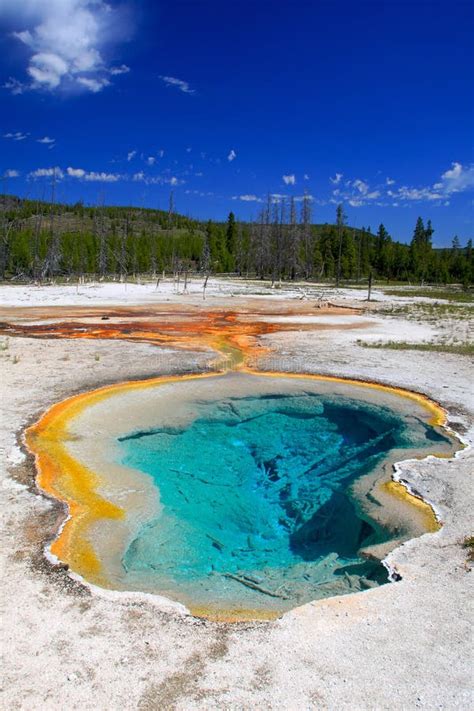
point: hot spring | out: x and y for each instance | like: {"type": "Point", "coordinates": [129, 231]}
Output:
{"type": "Point", "coordinates": [243, 494]}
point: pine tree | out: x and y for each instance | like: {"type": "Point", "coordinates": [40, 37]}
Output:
{"type": "Point", "coordinates": [230, 237]}
{"type": "Point", "coordinates": [340, 222]}
{"type": "Point", "coordinates": [421, 249]}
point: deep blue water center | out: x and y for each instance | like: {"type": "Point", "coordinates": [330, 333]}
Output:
{"type": "Point", "coordinates": [257, 509]}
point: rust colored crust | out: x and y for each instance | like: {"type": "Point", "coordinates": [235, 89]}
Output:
{"type": "Point", "coordinates": [233, 334]}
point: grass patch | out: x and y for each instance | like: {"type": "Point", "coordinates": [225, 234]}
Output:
{"type": "Point", "coordinates": [456, 348]}
{"type": "Point", "coordinates": [456, 295]}
{"type": "Point", "coordinates": [468, 544]}
{"type": "Point", "coordinates": [429, 312]}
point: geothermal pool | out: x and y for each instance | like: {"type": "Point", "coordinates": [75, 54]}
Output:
{"type": "Point", "coordinates": [241, 495]}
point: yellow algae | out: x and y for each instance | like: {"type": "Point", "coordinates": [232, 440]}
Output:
{"type": "Point", "coordinates": [208, 613]}
{"type": "Point", "coordinates": [438, 414]}
{"type": "Point", "coordinates": [400, 491]}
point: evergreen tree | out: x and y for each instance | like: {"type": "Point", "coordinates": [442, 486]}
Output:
{"type": "Point", "coordinates": [230, 237]}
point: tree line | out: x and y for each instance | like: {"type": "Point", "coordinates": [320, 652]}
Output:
{"type": "Point", "coordinates": [43, 241]}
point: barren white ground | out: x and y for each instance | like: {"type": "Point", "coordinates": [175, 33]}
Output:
{"type": "Point", "coordinates": [406, 645]}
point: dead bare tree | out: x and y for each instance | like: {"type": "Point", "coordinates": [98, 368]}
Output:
{"type": "Point", "coordinates": [307, 236]}
{"type": "Point", "coordinates": [100, 230]}
{"type": "Point", "coordinates": [53, 256]}
{"type": "Point", "coordinates": [293, 241]}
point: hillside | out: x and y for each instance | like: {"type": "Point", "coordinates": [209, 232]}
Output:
{"type": "Point", "coordinates": [42, 240]}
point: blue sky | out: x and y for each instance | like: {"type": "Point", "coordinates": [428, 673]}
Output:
{"type": "Point", "coordinates": [366, 103]}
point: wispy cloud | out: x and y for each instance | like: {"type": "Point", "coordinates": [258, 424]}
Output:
{"type": "Point", "coordinates": [141, 177]}
{"type": "Point", "coordinates": [101, 177]}
{"type": "Point", "coordinates": [131, 155]}
{"type": "Point", "coordinates": [178, 83]}
{"type": "Point", "coordinates": [64, 39]}
{"type": "Point", "coordinates": [93, 84]}
{"type": "Point", "coordinates": [232, 156]}
{"type": "Point", "coordinates": [116, 71]}
{"type": "Point", "coordinates": [15, 86]}
{"type": "Point", "coordinates": [457, 179]}
{"type": "Point", "coordinates": [361, 186]}
{"type": "Point", "coordinates": [92, 176]}
{"type": "Point", "coordinates": [151, 160]}
{"type": "Point", "coordinates": [47, 173]}
{"type": "Point", "coordinates": [416, 194]}
{"type": "Point", "coordinates": [337, 179]}
{"type": "Point", "coordinates": [46, 140]}
{"type": "Point", "coordinates": [17, 136]}
{"type": "Point", "coordinates": [10, 173]}
{"type": "Point", "coordinates": [358, 193]}
{"type": "Point", "coordinates": [247, 198]}
{"type": "Point", "coordinates": [289, 179]}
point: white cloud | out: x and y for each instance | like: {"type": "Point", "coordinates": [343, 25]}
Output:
{"type": "Point", "coordinates": [116, 71]}
{"type": "Point", "coordinates": [15, 86]}
{"type": "Point", "coordinates": [337, 179]}
{"type": "Point", "coordinates": [76, 172]}
{"type": "Point", "coordinates": [94, 85]}
{"type": "Point", "coordinates": [389, 181]}
{"type": "Point", "coordinates": [17, 136]}
{"type": "Point", "coordinates": [161, 153]}
{"type": "Point", "coordinates": [92, 176]}
{"type": "Point", "coordinates": [10, 173]}
{"type": "Point", "coordinates": [306, 176]}
{"type": "Point", "coordinates": [232, 156]}
{"type": "Point", "coordinates": [361, 186]}
{"type": "Point", "coordinates": [406, 193]}
{"type": "Point", "coordinates": [47, 173]}
{"type": "Point", "coordinates": [141, 177]}
{"type": "Point", "coordinates": [64, 39]}
{"type": "Point", "coordinates": [151, 160]}
{"type": "Point", "coordinates": [456, 179]}
{"type": "Point", "coordinates": [131, 155]}
{"type": "Point", "coordinates": [102, 177]}
{"type": "Point", "coordinates": [247, 198]}
{"type": "Point", "coordinates": [178, 83]}
{"type": "Point", "coordinates": [289, 179]}
{"type": "Point", "coordinates": [46, 140]}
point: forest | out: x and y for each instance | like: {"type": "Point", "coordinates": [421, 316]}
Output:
{"type": "Point", "coordinates": [42, 241]}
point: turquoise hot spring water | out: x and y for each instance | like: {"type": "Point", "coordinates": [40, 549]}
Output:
{"type": "Point", "coordinates": [257, 503]}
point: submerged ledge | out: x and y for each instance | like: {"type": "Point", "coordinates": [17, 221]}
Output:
{"type": "Point", "coordinates": [63, 477]}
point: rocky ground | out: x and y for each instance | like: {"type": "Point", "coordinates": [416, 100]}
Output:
{"type": "Point", "coordinates": [405, 645]}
